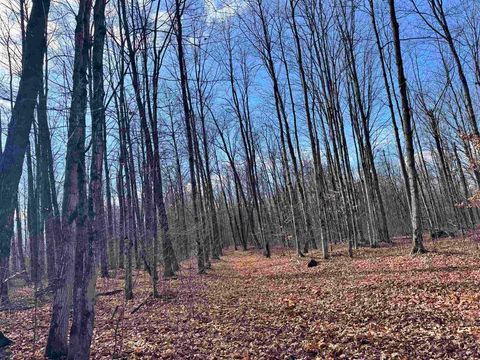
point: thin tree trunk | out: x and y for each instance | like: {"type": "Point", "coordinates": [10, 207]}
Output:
{"type": "Point", "coordinates": [417, 241]}
{"type": "Point", "coordinates": [74, 200]}
{"type": "Point", "coordinates": [179, 7]}
{"type": "Point", "coordinates": [47, 196]}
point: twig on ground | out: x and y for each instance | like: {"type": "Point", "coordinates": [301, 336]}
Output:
{"type": "Point", "coordinates": [141, 304]}
{"type": "Point", "coordinates": [108, 293]}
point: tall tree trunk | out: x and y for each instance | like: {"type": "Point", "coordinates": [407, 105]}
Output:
{"type": "Point", "coordinates": [11, 159]}
{"type": "Point", "coordinates": [97, 108]}
{"type": "Point", "coordinates": [48, 201]}
{"type": "Point", "coordinates": [33, 226]}
{"type": "Point", "coordinates": [181, 194]}
{"type": "Point", "coordinates": [20, 245]}
{"type": "Point", "coordinates": [389, 99]}
{"type": "Point", "coordinates": [417, 240]}
{"type": "Point", "coordinates": [170, 262]}
{"type": "Point", "coordinates": [85, 274]}
{"type": "Point", "coordinates": [74, 200]}
{"type": "Point", "coordinates": [179, 8]}
{"type": "Point", "coordinates": [110, 222]}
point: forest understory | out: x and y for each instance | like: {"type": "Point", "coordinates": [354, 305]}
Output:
{"type": "Point", "coordinates": [382, 304]}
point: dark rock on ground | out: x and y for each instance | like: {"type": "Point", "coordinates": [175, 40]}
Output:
{"type": "Point", "coordinates": [437, 234]}
{"type": "Point", "coordinates": [312, 263]}
{"type": "Point", "coordinates": [4, 341]}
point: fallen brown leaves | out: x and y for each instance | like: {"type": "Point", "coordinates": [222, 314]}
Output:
{"type": "Point", "coordinates": [382, 304]}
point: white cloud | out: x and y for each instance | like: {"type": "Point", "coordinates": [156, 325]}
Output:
{"type": "Point", "coordinates": [223, 9]}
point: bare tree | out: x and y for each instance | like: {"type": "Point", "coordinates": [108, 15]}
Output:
{"type": "Point", "coordinates": [408, 134]}
{"type": "Point", "coordinates": [11, 159]}
{"type": "Point", "coordinates": [74, 207]}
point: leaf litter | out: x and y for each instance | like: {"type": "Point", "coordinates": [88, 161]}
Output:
{"type": "Point", "coordinates": [382, 304]}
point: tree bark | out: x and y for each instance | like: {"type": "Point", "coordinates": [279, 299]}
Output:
{"type": "Point", "coordinates": [12, 157]}
{"type": "Point", "coordinates": [417, 241]}
{"type": "Point", "coordinates": [74, 200]}
{"type": "Point", "coordinates": [179, 7]}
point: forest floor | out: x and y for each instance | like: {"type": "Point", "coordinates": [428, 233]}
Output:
{"type": "Point", "coordinates": [382, 304]}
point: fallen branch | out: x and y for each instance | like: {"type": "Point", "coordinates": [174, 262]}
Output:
{"type": "Point", "coordinates": [140, 305]}
{"type": "Point", "coordinates": [108, 293]}
{"type": "Point", "coordinates": [114, 313]}
{"type": "Point", "coordinates": [16, 307]}
{"type": "Point", "coordinates": [14, 276]}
